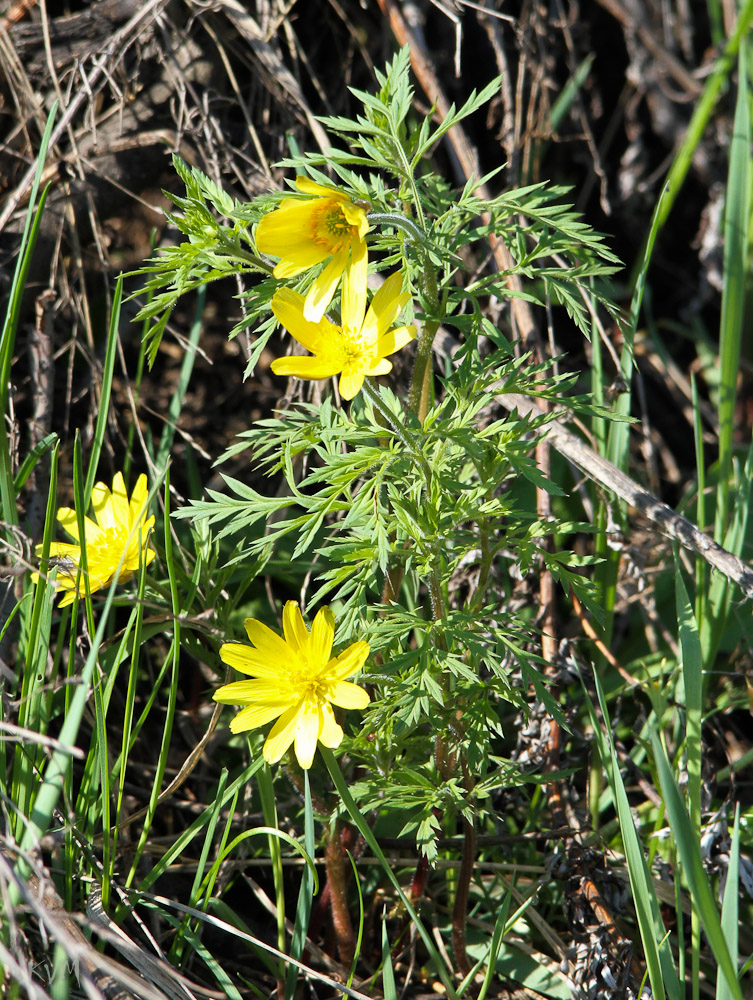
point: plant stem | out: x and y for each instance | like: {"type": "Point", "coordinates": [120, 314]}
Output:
{"type": "Point", "coordinates": [346, 942]}
{"type": "Point", "coordinates": [360, 822]}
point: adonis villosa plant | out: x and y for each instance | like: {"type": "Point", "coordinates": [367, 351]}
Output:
{"type": "Point", "coordinates": [408, 498]}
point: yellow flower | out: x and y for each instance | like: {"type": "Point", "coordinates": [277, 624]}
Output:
{"type": "Point", "coordinates": [295, 681]}
{"type": "Point", "coordinates": [305, 232]}
{"type": "Point", "coordinates": [120, 531]}
{"type": "Point", "coordinates": [354, 350]}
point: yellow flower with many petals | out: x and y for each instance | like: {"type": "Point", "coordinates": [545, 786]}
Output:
{"type": "Point", "coordinates": [120, 531]}
{"type": "Point", "coordinates": [305, 232]}
{"type": "Point", "coordinates": [295, 681]}
{"type": "Point", "coordinates": [357, 348]}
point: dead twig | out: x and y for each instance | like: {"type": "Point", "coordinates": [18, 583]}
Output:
{"type": "Point", "coordinates": [669, 522]}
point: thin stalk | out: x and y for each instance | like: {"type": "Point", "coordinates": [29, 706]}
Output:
{"type": "Point", "coordinates": [418, 401]}
{"type": "Point", "coordinates": [359, 821]}
{"type": "Point", "coordinates": [343, 925]}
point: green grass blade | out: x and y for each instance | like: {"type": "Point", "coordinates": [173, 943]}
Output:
{"type": "Point", "coordinates": [388, 973]}
{"type": "Point", "coordinates": [715, 82]}
{"type": "Point", "coordinates": [105, 391]}
{"type": "Point", "coordinates": [500, 926]}
{"type": "Point", "coordinates": [569, 92]}
{"type": "Point", "coordinates": [701, 566]}
{"type": "Point", "coordinates": [186, 836]}
{"type": "Point", "coordinates": [730, 905]}
{"type": "Point", "coordinates": [691, 695]}
{"type": "Point", "coordinates": [269, 811]}
{"type": "Point", "coordinates": [173, 658]}
{"type": "Point", "coordinates": [617, 450]}
{"type": "Point", "coordinates": [721, 594]}
{"type": "Point", "coordinates": [305, 893]}
{"type": "Point", "coordinates": [29, 463]}
{"type": "Point", "coordinates": [8, 506]}
{"type": "Point", "coordinates": [38, 635]}
{"type": "Point", "coordinates": [55, 773]}
{"type": "Point", "coordinates": [692, 673]}
{"type": "Point", "coordinates": [662, 972]}
{"type": "Point", "coordinates": [689, 852]}
{"type": "Point", "coordinates": [194, 897]}
{"type": "Point", "coordinates": [736, 239]}
{"type": "Point", "coordinates": [361, 920]}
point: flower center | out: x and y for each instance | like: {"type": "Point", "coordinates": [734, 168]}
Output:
{"type": "Point", "coordinates": [329, 227]}
{"type": "Point", "coordinates": [354, 346]}
{"type": "Point", "coordinates": [108, 547]}
{"type": "Point", "coordinates": [307, 688]}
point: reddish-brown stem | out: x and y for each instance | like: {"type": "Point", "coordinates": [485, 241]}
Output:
{"type": "Point", "coordinates": [341, 922]}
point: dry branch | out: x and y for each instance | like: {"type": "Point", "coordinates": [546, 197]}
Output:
{"type": "Point", "coordinates": [669, 522]}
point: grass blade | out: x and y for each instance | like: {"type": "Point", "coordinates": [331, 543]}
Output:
{"type": "Point", "coordinates": [689, 852]}
{"type": "Point", "coordinates": [730, 905]}
{"type": "Point", "coordinates": [659, 961]}
{"type": "Point", "coordinates": [736, 236]}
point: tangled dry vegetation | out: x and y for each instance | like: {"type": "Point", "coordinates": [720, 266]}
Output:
{"type": "Point", "coordinates": [596, 95]}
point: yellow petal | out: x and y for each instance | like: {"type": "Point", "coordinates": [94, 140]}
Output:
{"type": "Point", "coordinates": [271, 646]}
{"type": "Point", "coordinates": [396, 339]}
{"type": "Point", "coordinates": [120, 505]}
{"type": "Point", "coordinates": [321, 292]}
{"type": "Point", "coordinates": [251, 718]}
{"type": "Point", "coordinates": [281, 736]}
{"type": "Point", "coordinates": [307, 733]}
{"type": "Point", "coordinates": [288, 307]}
{"type": "Point", "coordinates": [137, 506]}
{"type": "Point", "coordinates": [248, 660]}
{"type": "Point", "coordinates": [305, 367]}
{"type": "Point", "coordinates": [62, 550]}
{"type": "Point", "coordinates": [266, 692]}
{"type": "Point", "coordinates": [390, 289]}
{"type": "Point", "coordinates": [347, 695]}
{"type": "Point", "coordinates": [349, 661]}
{"type": "Point", "coordinates": [286, 232]}
{"type": "Point", "coordinates": [69, 523]}
{"type": "Point", "coordinates": [322, 637]}
{"type": "Point", "coordinates": [70, 595]}
{"type": "Point", "coordinates": [102, 506]}
{"type": "Point", "coordinates": [356, 216]}
{"type": "Point", "coordinates": [379, 366]}
{"type": "Point", "coordinates": [307, 186]}
{"type": "Point", "coordinates": [388, 302]}
{"type": "Point", "coordinates": [298, 259]}
{"type": "Point", "coordinates": [293, 627]}
{"type": "Point", "coordinates": [351, 383]}
{"type": "Point", "coordinates": [353, 306]}
{"type": "Point", "coordinates": [330, 733]}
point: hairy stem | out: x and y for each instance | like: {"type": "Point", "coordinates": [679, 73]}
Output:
{"type": "Point", "coordinates": [343, 926]}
